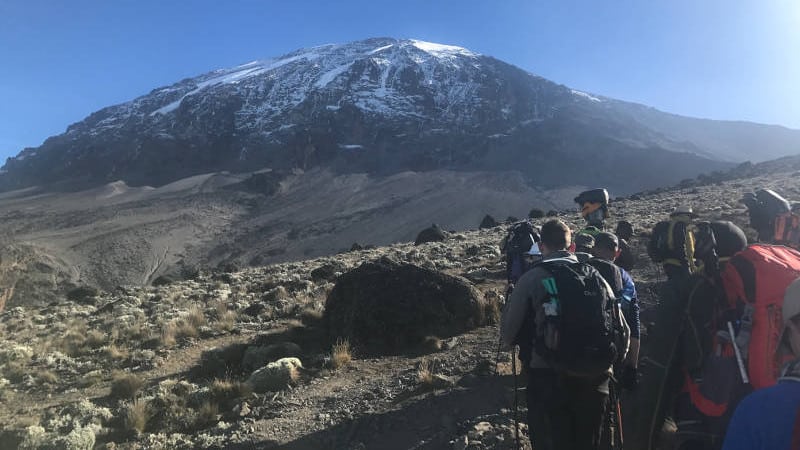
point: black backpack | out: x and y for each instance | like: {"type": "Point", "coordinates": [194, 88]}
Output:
{"type": "Point", "coordinates": [610, 272]}
{"type": "Point", "coordinates": [581, 335]}
{"type": "Point", "coordinates": [667, 240]}
{"type": "Point", "coordinates": [519, 240]}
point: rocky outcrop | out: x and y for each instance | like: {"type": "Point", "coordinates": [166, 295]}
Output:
{"type": "Point", "coordinates": [431, 234]}
{"type": "Point", "coordinates": [385, 307]}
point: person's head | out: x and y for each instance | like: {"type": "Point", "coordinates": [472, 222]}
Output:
{"type": "Point", "coordinates": [555, 236]}
{"type": "Point", "coordinates": [605, 246]}
{"type": "Point", "coordinates": [624, 229]}
{"type": "Point", "coordinates": [584, 242]}
{"type": "Point", "coordinates": [593, 205]}
{"type": "Point", "coordinates": [791, 318]}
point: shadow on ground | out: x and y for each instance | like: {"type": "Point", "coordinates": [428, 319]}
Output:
{"type": "Point", "coordinates": [426, 423]}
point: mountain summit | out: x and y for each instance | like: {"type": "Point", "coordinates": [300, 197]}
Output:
{"type": "Point", "coordinates": [384, 106]}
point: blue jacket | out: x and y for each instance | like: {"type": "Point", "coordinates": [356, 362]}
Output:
{"type": "Point", "coordinates": [630, 303]}
{"type": "Point", "coordinates": [766, 419]}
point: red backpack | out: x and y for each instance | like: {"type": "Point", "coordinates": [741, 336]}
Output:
{"type": "Point", "coordinates": [758, 277]}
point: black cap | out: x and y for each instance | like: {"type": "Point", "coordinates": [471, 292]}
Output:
{"type": "Point", "coordinates": [606, 240]}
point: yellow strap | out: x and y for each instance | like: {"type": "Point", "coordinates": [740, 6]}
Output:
{"type": "Point", "coordinates": [670, 232]}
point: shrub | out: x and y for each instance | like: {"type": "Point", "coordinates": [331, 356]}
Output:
{"type": "Point", "coordinates": [83, 294]}
{"type": "Point", "coordinates": [126, 385]}
{"type": "Point", "coordinates": [536, 213]}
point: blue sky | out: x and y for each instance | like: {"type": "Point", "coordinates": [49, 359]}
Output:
{"type": "Point", "coordinates": [731, 59]}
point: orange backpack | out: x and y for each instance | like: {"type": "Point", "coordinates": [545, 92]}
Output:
{"type": "Point", "coordinates": [755, 279]}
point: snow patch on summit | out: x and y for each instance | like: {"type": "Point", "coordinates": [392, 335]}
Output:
{"type": "Point", "coordinates": [586, 96]}
{"type": "Point", "coordinates": [441, 50]}
{"type": "Point", "coordinates": [330, 75]}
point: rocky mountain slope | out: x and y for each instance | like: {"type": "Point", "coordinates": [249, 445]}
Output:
{"type": "Point", "coordinates": [173, 366]}
{"type": "Point", "coordinates": [384, 106]}
{"type": "Point", "coordinates": [120, 235]}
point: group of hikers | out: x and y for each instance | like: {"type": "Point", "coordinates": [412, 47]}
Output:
{"type": "Point", "coordinates": [721, 366]}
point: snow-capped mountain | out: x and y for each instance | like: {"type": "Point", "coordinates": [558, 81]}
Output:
{"type": "Point", "coordinates": [383, 106]}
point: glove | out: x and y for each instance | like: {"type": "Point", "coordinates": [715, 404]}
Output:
{"type": "Point", "coordinates": [630, 378]}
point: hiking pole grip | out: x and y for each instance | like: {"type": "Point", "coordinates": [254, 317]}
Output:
{"type": "Point", "coordinates": [738, 353]}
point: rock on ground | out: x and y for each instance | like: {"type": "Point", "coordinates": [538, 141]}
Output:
{"type": "Point", "coordinates": [385, 307]}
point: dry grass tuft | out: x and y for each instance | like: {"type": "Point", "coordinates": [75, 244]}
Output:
{"type": "Point", "coordinates": [135, 331]}
{"type": "Point", "coordinates": [96, 339]}
{"type": "Point", "coordinates": [226, 390]}
{"type": "Point", "coordinates": [47, 377]}
{"type": "Point", "coordinates": [196, 317]}
{"type": "Point", "coordinates": [226, 319]}
{"type": "Point", "coordinates": [207, 414]}
{"type": "Point", "coordinates": [168, 332]}
{"type": "Point", "coordinates": [136, 415]}
{"type": "Point", "coordinates": [340, 354]}
{"type": "Point", "coordinates": [425, 373]}
{"type": "Point", "coordinates": [492, 311]}
{"type": "Point", "coordinates": [115, 353]}
{"type": "Point", "coordinates": [73, 343]}
{"type": "Point", "coordinates": [126, 385]}
{"type": "Point", "coordinates": [186, 330]}
{"type": "Point", "coordinates": [92, 378]}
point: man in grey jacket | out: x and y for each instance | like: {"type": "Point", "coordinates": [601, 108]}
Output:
{"type": "Point", "coordinates": [564, 412]}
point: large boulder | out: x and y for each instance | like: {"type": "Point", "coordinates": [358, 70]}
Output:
{"type": "Point", "coordinates": [385, 307]}
{"type": "Point", "coordinates": [431, 234]}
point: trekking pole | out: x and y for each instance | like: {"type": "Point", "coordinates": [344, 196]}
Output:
{"type": "Point", "coordinates": [618, 411]}
{"type": "Point", "coordinates": [738, 353]}
{"type": "Point", "coordinates": [516, 401]}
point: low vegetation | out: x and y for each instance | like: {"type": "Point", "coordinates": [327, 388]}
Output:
{"type": "Point", "coordinates": [126, 385]}
{"type": "Point", "coordinates": [340, 354]}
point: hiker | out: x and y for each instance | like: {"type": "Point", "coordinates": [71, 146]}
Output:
{"type": "Point", "coordinates": [626, 258]}
{"type": "Point", "coordinates": [520, 245]}
{"type": "Point", "coordinates": [573, 315]}
{"type": "Point", "coordinates": [688, 383]}
{"type": "Point", "coordinates": [604, 252]}
{"type": "Point", "coordinates": [768, 418]}
{"type": "Point", "coordinates": [672, 244]}
{"type": "Point", "coordinates": [594, 207]}
{"type": "Point", "coordinates": [775, 220]}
